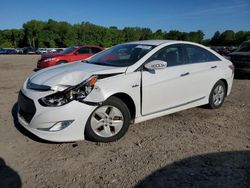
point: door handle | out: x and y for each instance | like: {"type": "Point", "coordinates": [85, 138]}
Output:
{"type": "Point", "coordinates": [213, 67]}
{"type": "Point", "coordinates": [185, 74]}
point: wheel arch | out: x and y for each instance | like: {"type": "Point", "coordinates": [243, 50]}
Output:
{"type": "Point", "coordinates": [62, 61]}
{"type": "Point", "coordinates": [129, 102]}
{"type": "Point", "coordinates": [226, 84]}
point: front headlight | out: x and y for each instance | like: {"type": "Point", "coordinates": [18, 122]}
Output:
{"type": "Point", "coordinates": [78, 93]}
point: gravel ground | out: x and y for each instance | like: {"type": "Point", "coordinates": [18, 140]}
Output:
{"type": "Point", "coordinates": [193, 148]}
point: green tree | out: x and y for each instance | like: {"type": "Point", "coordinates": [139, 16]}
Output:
{"type": "Point", "coordinates": [241, 36]}
{"type": "Point", "coordinates": [176, 35]}
{"type": "Point", "coordinates": [62, 34]}
{"type": "Point", "coordinates": [158, 34]}
{"type": "Point", "coordinates": [216, 39]}
{"type": "Point", "coordinates": [31, 30]}
{"type": "Point", "coordinates": [196, 36]}
{"type": "Point", "coordinates": [131, 33]}
{"type": "Point", "coordinates": [16, 37]}
{"type": "Point", "coordinates": [227, 38]}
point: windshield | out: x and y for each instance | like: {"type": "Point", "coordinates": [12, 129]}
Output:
{"type": "Point", "coordinates": [68, 50]}
{"type": "Point", "coordinates": [121, 55]}
{"type": "Point", "coordinates": [245, 47]}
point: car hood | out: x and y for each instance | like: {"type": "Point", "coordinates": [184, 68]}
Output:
{"type": "Point", "coordinates": [71, 74]}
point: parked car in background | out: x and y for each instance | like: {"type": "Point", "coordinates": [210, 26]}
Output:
{"type": "Point", "coordinates": [129, 83]}
{"type": "Point", "coordinates": [29, 50]}
{"type": "Point", "coordinates": [2, 51]}
{"type": "Point", "coordinates": [223, 50]}
{"type": "Point", "coordinates": [70, 54]}
{"type": "Point", "coordinates": [58, 50]}
{"type": "Point", "coordinates": [19, 50]}
{"type": "Point", "coordinates": [11, 51]}
{"type": "Point", "coordinates": [52, 50]}
{"type": "Point", "coordinates": [241, 58]}
{"type": "Point", "coordinates": [41, 51]}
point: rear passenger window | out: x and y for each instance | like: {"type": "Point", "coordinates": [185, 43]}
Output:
{"type": "Point", "coordinates": [95, 50]}
{"type": "Point", "coordinates": [170, 54]}
{"type": "Point", "coordinates": [197, 54]}
{"type": "Point", "coordinates": [84, 50]}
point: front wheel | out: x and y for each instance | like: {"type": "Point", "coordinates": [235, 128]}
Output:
{"type": "Point", "coordinates": [217, 95]}
{"type": "Point", "coordinates": [109, 121]}
{"type": "Point", "coordinates": [61, 62]}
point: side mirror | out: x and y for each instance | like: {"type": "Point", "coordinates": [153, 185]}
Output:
{"type": "Point", "coordinates": [155, 64]}
{"type": "Point", "coordinates": [76, 53]}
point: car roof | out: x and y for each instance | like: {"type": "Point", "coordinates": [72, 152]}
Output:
{"type": "Point", "coordinates": [151, 42]}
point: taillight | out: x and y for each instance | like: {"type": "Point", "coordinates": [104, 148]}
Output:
{"type": "Point", "coordinates": [231, 67]}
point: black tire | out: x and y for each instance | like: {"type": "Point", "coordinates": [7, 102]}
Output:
{"type": "Point", "coordinates": [119, 104]}
{"type": "Point", "coordinates": [212, 104]}
{"type": "Point", "coordinates": [61, 62]}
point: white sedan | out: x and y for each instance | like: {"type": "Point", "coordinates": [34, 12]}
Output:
{"type": "Point", "coordinates": [129, 83]}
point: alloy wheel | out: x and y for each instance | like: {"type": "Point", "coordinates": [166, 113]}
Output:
{"type": "Point", "coordinates": [107, 121]}
{"type": "Point", "coordinates": [218, 95]}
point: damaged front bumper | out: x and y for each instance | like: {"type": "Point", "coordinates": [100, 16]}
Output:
{"type": "Point", "coordinates": [58, 124]}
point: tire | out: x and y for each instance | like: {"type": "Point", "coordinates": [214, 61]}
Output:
{"type": "Point", "coordinates": [61, 62]}
{"type": "Point", "coordinates": [217, 95]}
{"type": "Point", "coordinates": [100, 125]}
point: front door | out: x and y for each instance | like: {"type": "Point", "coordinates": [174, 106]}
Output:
{"type": "Point", "coordinates": [166, 88]}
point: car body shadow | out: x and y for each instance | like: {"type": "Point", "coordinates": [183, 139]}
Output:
{"type": "Point", "coordinates": [36, 69]}
{"type": "Point", "coordinates": [8, 177]}
{"type": "Point", "coordinates": [222, 170]}
{"type": "Point", "coordinates": [21, 129]}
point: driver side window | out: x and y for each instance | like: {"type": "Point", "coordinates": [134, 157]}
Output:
{"type": "Point", "coordinates": [171, 54]}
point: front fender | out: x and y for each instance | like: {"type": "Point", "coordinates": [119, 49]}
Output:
{"type": "Point", "coordinates": [129, 84]}
{"type": "Point", "coordinates": [97, 95]}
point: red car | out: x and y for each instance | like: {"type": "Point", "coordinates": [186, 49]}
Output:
{"type": "Point", "coordinates": [70, 54]}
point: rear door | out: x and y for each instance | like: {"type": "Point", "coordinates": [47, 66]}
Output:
{"type": "Point", "coordinates": [203, 67]}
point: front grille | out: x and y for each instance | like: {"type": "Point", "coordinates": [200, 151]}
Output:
{"type": "Point", "coordinates": [27, 107]}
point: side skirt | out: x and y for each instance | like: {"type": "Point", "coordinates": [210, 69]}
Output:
{"type": "Point", "coordinates": [190, 104]}
{"type": "Point", "coordinates": [186, 103]}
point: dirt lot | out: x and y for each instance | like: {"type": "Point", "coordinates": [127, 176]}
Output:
{"type": "Point", "coordinates": [194, 148]}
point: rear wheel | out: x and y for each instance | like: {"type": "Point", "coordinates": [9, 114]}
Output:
{"type": "Point", "coordinates": [61, 62]}
{"type": "Point", "coordinates": [217, 95]}
{"type": "Point", "coordinates": [109, 122]}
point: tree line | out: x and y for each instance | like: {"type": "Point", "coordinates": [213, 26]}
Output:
{"type": "Point", "coordinates": [52, 34]}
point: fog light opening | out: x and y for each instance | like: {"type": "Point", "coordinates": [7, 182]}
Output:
{"type": "Point", "coordinates": [60, 125]}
